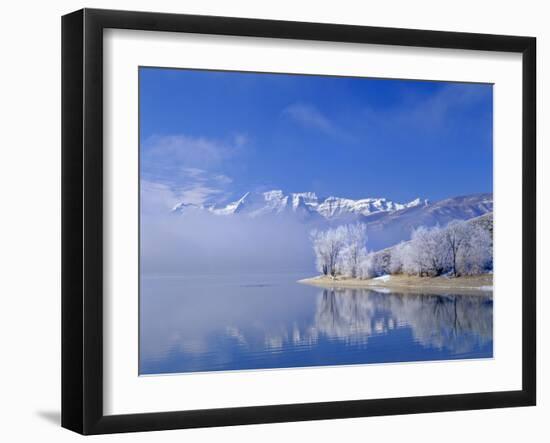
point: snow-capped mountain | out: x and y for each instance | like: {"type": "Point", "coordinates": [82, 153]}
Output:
{"type": "Point", "coordinates": [387, 222]}
{"type": "Point", "coordinates": [388, 228]}
{"type": "Point", "coordinates": [304, 204]}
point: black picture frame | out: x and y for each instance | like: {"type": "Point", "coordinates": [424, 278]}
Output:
{"type": "Point", "coordinates": [82, 220]}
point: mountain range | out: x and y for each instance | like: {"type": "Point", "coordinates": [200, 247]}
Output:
{"type": "Point", "coordinates": [255, 204]}
{"type": "Point", "coordinates": [388, 222]}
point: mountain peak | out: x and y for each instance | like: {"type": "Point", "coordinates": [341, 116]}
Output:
{"type": "Point", "coordinates": [417, 202]}
{"type": "Point", "coordinates": [305, 204]}
{"type": "Point", "coordinates": [387, 222]}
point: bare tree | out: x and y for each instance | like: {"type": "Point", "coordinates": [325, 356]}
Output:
{"type": "Point", "coordinates": [433, 250]}
{"type": "Point", "coordinates": [455, 240]}
{"type": "Point", "coordinates": [476, 254]}
{"type": "Point", "coordinates": [327, 246]}
{"type": "Point", "coordinates": [319, 249]}
{"type": "Point", "coordinates": [354, 249]}
{"type": "Point", "coordinates": [367, 265]}
{"type": "Point", "coordinates": [416, 255]}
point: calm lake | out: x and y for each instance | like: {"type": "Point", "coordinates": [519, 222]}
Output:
{"type": "Point", "coordinates": [221, 323]}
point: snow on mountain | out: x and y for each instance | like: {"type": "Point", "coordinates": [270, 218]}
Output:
{"type": "Point", "coordinates": [388, 228]}
{"type": "Point", "coordinates": [387, 222]}
{"type": "Point", "coordinates": [336, 207]}
{"type": "Point", "coordinates": [304, 204]}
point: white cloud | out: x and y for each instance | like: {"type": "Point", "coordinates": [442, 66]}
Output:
{"type": "Point", "coordinates": [223, 179]}
{"type": "Point", "coordinates": [164, 154]}
{"type": "Point", "coordinates": [159, 198]}
{"type": "Point", "coordinates": [310, 116]}
{"type": "Point", "coordinates": [198, 194]}
{"type": "Point", "coordinates": [193, 172]}
{"type": "Point", "coordinates": [156, 198]}
{"type": "Point", "coordinates": [428, 113]}
{"type": "Point", "coordinates": [182, 168]}
{"type": "Point", "coordinates": [202, 176]}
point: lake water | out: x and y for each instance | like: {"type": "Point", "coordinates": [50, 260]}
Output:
{"type": "Point", "coordinates": [221, 323]}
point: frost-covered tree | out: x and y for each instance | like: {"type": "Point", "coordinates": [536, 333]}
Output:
{"type": "Point", "coordinates": [461, 248]}
{"type": "Point", "coordinates": [455, 238]}
{"type": "Point", "coordinates": [340, 250]}
{"type": "Point", "coordinates": [416, 257]}
{"type": "Point", "coordinates": [432, 249]}
{"type": "Point", "coordinates": [373, 265]}
{"type": "Point", "coordinates": [367, 265]}
{"type": "Point", "coordinates": [410, 260]}
{"type": "Point", "coordinates": [354, 250]}
{"type": "Point", "coordinates": [424, 255]}
{"type": "Point", "coordinates": [476, 255]}
{"type": "Point", "coordinates": [320, 251]}
{"type": "Point", "coordinates": [396, 258]}
{"type": "Point", "coordinates": [328, 246]}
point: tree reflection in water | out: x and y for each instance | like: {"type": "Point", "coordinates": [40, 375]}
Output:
{"type": "Point", "coordinates": [451, 321]}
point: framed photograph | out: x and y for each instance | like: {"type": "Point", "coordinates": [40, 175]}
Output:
{"type": "Point", "coordinates": [269, 221]}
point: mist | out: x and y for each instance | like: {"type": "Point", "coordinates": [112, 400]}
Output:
{"type": "Point", "coordinates": [199, 242]}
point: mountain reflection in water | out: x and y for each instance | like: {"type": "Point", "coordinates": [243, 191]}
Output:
{"type": "Point", "coordinates": [189, 325]}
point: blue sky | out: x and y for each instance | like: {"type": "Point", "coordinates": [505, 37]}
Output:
{"type": "Point", "coordinates": [209, 136]}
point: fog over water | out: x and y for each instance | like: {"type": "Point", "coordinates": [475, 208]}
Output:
{"type": "Point", "coordinates": [200, 242]}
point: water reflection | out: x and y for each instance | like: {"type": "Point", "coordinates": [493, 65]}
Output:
{"type": "Point", "coordinates": [196, 326]}
{"type": "Point", "coordinates": [455, 322]}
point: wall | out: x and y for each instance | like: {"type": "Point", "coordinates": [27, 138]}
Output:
{"type": "Point", "coordinates": [30, 217]}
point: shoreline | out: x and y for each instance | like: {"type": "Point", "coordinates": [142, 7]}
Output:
{"type": "Point", "coordinates": [478, 284]}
